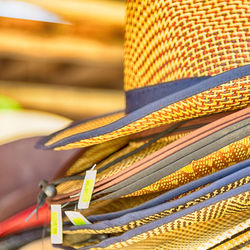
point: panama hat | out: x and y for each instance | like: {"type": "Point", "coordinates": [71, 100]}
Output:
{"type": "Point", "coordinates": [157, 209]}
{"type": "Point", "coordinates": [183, 59]}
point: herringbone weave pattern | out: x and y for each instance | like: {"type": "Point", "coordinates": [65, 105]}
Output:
{"type": "Point", "coordinates": [138, 223]}
{"type": "Point", "coordinates": [232, 205]}
{"type": "Point", "coordinates": [225, 157]}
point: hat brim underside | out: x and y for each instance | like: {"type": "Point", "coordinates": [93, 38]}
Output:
{"type": "Point", "coordinates": [226, 91]}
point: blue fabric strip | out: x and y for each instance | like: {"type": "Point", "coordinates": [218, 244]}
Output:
{"type": "Point", "coordinates": [172, 217]}
{"type": "Point", "coordinates": [201, 86]}
{"type": "Point", "coordinates": [175, 192]}
{"type": "Point", "coordinates": [138, 98]}
{"type": "Point", "coordinates": [129, 217]}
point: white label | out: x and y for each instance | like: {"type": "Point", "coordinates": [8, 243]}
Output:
{"type": "Point", "coordinates": [56, 235]}
{"type": "Point", "coordinates": [76, 218]}
{"type": "Point", "coordinates": [87, 189]}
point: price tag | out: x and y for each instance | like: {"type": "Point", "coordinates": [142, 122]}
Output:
{"type": "Point", "coordinates": [56, 235]}
{"type": "Point", "coordinates": [76, 218]}
{"type": "Point", "coordinates": [87, 189]}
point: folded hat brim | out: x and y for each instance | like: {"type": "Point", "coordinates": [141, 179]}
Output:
{"type": "Point", "coordinates": [228, 90]}
{"type": "Point", "coordinates": [229, 197]}
{"type": "Point", "coordinates": [176, 161]}
{"type": "Point", "coordinates": [127, 218]}
{"type": "Point", "coordinates": [116, 176]}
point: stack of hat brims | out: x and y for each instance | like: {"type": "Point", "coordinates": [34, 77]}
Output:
{"type": "Point", "coordinates": [173, 169]}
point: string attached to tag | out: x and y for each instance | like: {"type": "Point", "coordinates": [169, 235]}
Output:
{"type": "Point", "coordinates": [47, 190]}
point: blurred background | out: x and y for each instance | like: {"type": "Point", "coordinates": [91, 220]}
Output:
{"type": "Point", "coordinates": [63, 56]}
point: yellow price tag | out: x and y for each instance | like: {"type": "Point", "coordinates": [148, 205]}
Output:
{"type": "Point", "coordinates": [54, 223]}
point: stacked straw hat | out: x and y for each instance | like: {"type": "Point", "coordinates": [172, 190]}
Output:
{"type": "Point", "coordinates": [173, 167]}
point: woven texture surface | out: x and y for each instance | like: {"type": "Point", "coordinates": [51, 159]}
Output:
{"type": "Point", "coordinates": [229, 96]}
{"type": "Point", "coordinates": [91, 156]}
{"type": "Point", "coordinates": [175, 39]}
{"type": "Point", "coordinates": [237, 242]}
{"type": "Point", "coordinates": [102, 151]}
{"type": "Point", "coordinates": [225, 157]}
{"type": "Point", "coordinates": [197, 236]}
{"type": "Point", "coordinates": [151, 218]}
{"type": "Point", "coordinates": [136, 157]}
{"type": "Point", "coordinates": [232, 205]}
{"type": "Point", "coordinates": [200, 236]}
{"type": "Point", "coordinates": [96, 154]}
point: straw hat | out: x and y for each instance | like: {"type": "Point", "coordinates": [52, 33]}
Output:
{"type": "Point", "coordinates": [183, 59]}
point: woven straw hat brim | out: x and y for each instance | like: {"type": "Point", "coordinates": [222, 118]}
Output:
{"type": "Point", "coordinates": [174, 147]}
{"type": "Point", "coordinates": [238, 151]}
{"type": "Point", "coordinates": [175, 162]}
{"type": "Point", "coordinates": [194, 184]}
{"type": "Point", "coordinates": [218, 206]}
{"type": "Point", "coordinates": [220, 179]}
{"type": "Point", "coordinates": [121, 171]}
{"type": "Point", "coordinates": [200, 235]}
{"type": "Point", "coordinates": [160, 210]}
{"type": "Point", "coordinates": [226, 91]}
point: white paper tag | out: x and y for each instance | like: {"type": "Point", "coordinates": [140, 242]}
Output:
{"type": "Point", "coordinates": [87, 189]}
{"type": "Point", "coordinates": [56, 235]}
{"type": "Point", "coordinates": [76, 218]}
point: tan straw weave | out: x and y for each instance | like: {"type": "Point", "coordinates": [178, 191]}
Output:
{"type": "Point", "coordinates": [226, 207]}
{"type": "Point", "coordinates": [151, 218]}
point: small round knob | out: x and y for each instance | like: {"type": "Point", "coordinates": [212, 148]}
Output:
{"type": "Point", "coordinates": [50, 190]}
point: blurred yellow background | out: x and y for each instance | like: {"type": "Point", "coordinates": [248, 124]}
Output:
{"type": "Point", "coordinates": [63, 56]}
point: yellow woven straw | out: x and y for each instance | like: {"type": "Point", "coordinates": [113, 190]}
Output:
{"type": "Point", "coordinates": [198, 236]}
{"type": "Point", "coordinates": [223, 208]}
{"type": "Point", "coordinates": [94, 154]}
{"type": "Point", "coordinates": [229, 96]}
{"type": "Point", "coordinates": [199, 230]}
{"type": "Point", "coordinates": [225, 157]}
{"type": "Point", "coordinates": [109, 206]}
{"type": "Point", "coordinates": [239, 242]}
{"type": "Point", "coordinates": [177, 39]}
{"type": "Point", "coordinates": [116, 168]}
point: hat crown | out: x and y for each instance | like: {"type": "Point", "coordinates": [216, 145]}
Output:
{"type": "Point", "coordinates": [170, 40]}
